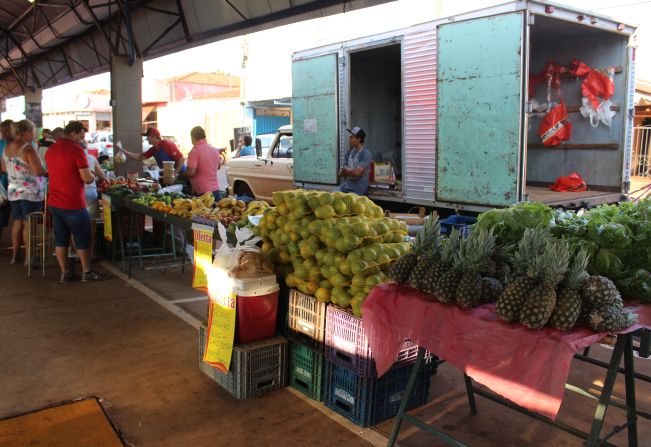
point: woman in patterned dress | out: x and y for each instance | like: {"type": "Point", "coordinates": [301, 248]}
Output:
{"type": "Point", "coordinates": [26, 189]}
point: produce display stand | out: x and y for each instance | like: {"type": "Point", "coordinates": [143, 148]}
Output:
{"type": "Point", "coordinates": [131, 245]}
{"type": "Point", "coordinates": [160, 255]}
{"type": "Point", "coordinates": [529, 368]}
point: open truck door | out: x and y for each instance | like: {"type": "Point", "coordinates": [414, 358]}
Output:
{"type": "Point", "coordinates": [480, 114]}
{"type": "Point", "coordinates": [314, 104]}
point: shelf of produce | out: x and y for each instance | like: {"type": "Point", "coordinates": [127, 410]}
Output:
{"type": "Point", "coordinates": [527, 367]}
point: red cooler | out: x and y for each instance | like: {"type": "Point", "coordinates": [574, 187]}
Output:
{"type": "Point", "coordinates": [257, 306]}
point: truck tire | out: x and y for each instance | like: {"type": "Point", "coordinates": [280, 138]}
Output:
{"type": "Point", "coordinates": [242, 189]}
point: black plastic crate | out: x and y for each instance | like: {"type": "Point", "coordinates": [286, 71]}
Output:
{"type": "Point", "coordinates": [256, 368]}
{"type": "Point", "coordinates": [306, 367]}
{"type": "Point", "coordinates": [346, 343]}
{"type": "Point", "coordinates": [369, 400]}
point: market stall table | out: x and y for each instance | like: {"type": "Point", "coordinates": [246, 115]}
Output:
{"type": "Point", "coordinates": [133, 241]}
{"type": "Point", "coordinates": [527, 367]}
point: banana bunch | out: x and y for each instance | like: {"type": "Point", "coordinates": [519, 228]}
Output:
{"type": "Point", "coordinates": [207, 199]}
{"type": "Point", "coordinates": [255, 208]}
{"type": "Point", "coordinates": [182, 208]}
{"type": "Point", "coordinates": [230, 206]}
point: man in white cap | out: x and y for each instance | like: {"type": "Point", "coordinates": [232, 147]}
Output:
{"type": "Point", "coordinates": [354, 174]}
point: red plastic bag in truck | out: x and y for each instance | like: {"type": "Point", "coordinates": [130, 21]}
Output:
{"type": "Point", "coordinates": [570, 183]}
{"type": "Point", "coordinates": [555, 126]}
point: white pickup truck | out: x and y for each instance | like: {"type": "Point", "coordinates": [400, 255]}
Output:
{"type": "Point", "coordinates": [259, 177]}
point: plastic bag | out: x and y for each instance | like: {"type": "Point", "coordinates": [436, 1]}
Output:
{"type": "Point", "coordinates": [601, 114]}
{"type": "Point", "coordinates": [570, 183]}
{"type": "Point", "coordinates": [244, 260]}
{"type": "Point", "coordinates": [555, 126]}
{"type": "Point", "coordinates": [599, 85]}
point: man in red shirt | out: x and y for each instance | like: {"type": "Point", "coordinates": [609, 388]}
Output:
{"type": "Point", "coordinates": [161, 150]}
{"type": "Point", "coordinates": [68, 172]}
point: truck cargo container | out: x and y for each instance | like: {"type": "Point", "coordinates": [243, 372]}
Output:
{"type": "Point", "coordinates": [446, 102]}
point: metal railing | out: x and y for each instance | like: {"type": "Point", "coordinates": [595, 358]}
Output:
{"type": "Point", "coordinates": [641, 165]}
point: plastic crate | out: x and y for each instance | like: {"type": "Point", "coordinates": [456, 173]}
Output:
{"type": "Point", "coordinates": [306, 370]}
{"type": "Point", "coordinates": [283, 305]}
{"type": "Point", "coordinates": [306, 315]}
{"type": "Point", "coordinates": [256, 368]}
{"type": "Point", "coordinates": [369, 400]}
{"type": "Point", "coordinates": [346, 343]}
{"type": "Point", "coordinates": [461, 223]}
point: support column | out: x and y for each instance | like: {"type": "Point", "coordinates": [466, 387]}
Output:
{"type": "Point", "coordinates": [126, 100]}
{"type": "Point", "coordinates": [33, 106]}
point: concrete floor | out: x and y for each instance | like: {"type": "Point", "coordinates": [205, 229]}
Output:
{"type": "Point", "coordinates": [109, 339]}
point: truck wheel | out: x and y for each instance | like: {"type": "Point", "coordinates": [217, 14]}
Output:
{"type": "Point", "coordinates": [243, 189]}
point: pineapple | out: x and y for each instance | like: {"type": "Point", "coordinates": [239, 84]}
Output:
{"type": "Point", "coordinates": [552, 264]}
{"type": "Point", "coordinates": [610, 318]}
{"type": "Point", "coordinates": [400, 271]}
{"type": "Point", "coordinates": [474, 257]}
{"type": "Point", "coordinates": [491, 289]}
{"type": "Point", "coordinates": [600, 291]}
{"type": "Point", "coordinates": [568, 306]}
{"type": "Point", "coordinates": [523, 280]}
{"type": "Point", "coordinates": [431, 251]}
{"type": "Point", "coordinates": [448, 247]}
{"type": "Point", "coordinates": [446, 285]}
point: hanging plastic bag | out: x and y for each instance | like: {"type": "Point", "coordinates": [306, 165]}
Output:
{"type": "Point", "coordinates": [555, 126]}
{"type": "Point", "coordinates": [599, 85]}
{"type": "Point", "coordinates": [569, 183]}
{"type": "Point", "coordinates": [602, 114]}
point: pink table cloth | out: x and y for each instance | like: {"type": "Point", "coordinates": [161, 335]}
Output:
{"type": "Point", "coordinates": [528, 367]}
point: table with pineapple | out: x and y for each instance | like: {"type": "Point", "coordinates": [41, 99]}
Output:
{"type": "Point", "coordinates": [523, 369]}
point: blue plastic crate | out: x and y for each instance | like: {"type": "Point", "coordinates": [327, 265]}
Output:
{"type": "Point", "coordinates": [366, 401]}
{"type": "Point", "coordinates": [461, 223]}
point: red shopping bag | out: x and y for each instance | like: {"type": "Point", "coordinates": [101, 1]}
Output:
{"type": "Point", "coordinates": [555, 126]}
{"type": "Point", "coordinates": [570, 183]}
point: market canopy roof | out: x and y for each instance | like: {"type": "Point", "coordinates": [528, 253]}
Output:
{"type": "Point", "coordinates": [44, 43]}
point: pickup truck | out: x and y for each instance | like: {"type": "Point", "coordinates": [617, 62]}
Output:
{"type": "Point", "coordinates": [259, 177]}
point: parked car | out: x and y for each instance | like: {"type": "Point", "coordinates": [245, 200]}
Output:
{"type": "Point", "coordinates": [102, 142]}
{"type": "Point", "coordinates": [259, 177]}
{"type": "Point", "coordinates": [265, 142]}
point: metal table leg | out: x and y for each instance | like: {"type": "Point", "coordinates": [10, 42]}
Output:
{"type": "Point", "coordinates": [606, 392]}
{"type": "Point", "coordinates": [631, 413]}
{"type": "Point", "coordinates": [402, 415]}
{"type": "Point", "coordinates": [471, 394]}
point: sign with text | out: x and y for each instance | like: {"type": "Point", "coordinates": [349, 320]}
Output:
{"type": "Point", "coordinates": [222, 304]}
{"type": "Point", "coordinates": [108, 228]}
{"type": "Point", "coordinates": [203, 240]}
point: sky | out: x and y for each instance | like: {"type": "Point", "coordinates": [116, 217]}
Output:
{"type": "Point", "coordinates": [268, 69]}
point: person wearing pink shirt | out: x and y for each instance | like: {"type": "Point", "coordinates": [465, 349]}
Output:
{"type": "Point", "coordinates": [203, 164]}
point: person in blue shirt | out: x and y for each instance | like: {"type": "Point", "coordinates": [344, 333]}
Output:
{"type": "Point", "coordinates": [357, 166]}
{"type": "Point", "coordinates": [247, 149]}
{"type": "Point", "coordinates": [7, 134]}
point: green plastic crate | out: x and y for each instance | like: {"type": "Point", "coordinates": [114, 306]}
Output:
{"type": "Point", "coordinates": [306, 370]}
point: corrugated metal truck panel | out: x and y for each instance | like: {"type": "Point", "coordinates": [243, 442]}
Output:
{"type": "Point", "coordinates": [419, 149]}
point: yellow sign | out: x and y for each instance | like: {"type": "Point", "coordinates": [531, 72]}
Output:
{"type": "Point", "coordinates": [108, 229]}
{"type": "Point", "coordinates": [221, 327]}
{"type": "Point", "coordinates": [202, 255]}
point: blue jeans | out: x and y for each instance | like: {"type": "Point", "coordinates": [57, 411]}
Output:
{"type": "Point", "coordinates": [67, 222]}
{"type": "Point", "coordinates": [21, 209]}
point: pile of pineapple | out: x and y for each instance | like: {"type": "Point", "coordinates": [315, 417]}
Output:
{"type": "Point", "coordinates": [334, 246]}
{"type": "Point", "coordinates": [540, 283]}
{"type": "Point", "coordinates": [453, 269]}
{"type": "Point", "coordinates": [550, 287]}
